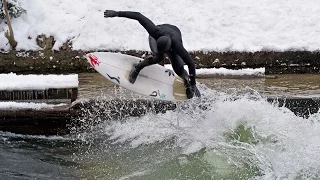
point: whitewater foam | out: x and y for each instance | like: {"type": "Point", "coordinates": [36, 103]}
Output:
{"type": "Point", "coordinates": [282, 144]}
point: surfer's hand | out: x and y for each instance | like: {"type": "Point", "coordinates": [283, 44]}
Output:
{"type": "Point", "coordinates": [110, 13]}
{"type": "Point", "coordinates": [195, 91]}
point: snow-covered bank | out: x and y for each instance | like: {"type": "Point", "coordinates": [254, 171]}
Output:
{"type": "Point", "coordinates": [208, 25]}
{"type": "Point", "coordinates": [277, 27]}
{"type": "Point", "coordinates": [37, 82]}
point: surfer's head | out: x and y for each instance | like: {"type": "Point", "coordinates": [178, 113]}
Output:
{"type": "Point", "coordinates": [163, 44]}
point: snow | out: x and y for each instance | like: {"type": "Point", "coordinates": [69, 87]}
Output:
{"type": "Point", "coordinates": [37, 82]}
{"type": "Point", "coordinates": [225, 72]}
{"type": "Point", "coordinates": [207, 25]}
{"type": "Point", "coordinates": [27, 105]}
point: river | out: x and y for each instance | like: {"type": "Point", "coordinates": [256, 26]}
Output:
{"type": "Point", "coordinates": [239, 136]}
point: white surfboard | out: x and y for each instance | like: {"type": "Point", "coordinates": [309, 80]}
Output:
{"type": "Point", "coordinates": [154, 81]}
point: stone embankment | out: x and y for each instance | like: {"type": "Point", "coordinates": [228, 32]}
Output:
{"type": "Point", "coordinates": [70, 61]}
{"type": "Point", "coordinates": [81, 116]}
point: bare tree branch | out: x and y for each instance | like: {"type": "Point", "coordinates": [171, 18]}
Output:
{"type": "Point", "coordinates": [9, 35]}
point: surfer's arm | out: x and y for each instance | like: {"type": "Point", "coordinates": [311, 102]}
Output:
{"type": "Point", "coordinates": [144, 21]}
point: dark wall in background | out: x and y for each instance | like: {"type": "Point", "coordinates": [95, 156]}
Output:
{"type": "Point", "coordinates": [69, 61]}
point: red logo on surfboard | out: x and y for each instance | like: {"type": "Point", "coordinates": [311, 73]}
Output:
{"type": "Point", "coordinates": [94, 60]}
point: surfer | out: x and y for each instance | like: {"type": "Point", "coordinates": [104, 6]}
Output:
{"type": "Point", "coordinates": [165, 41]}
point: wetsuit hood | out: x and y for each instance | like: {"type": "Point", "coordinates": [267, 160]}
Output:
{"type": "Point", "coordinates": [163, 44]}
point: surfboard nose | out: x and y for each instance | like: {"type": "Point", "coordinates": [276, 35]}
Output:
{"type": "Point", "coordinates": [93, 60]}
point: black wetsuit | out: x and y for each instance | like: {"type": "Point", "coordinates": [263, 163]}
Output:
{"type": "Point", "coordinates": [178, 55]}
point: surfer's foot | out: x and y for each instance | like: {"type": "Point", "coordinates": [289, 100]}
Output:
{"type": "Point", "coordinates": [189, 91]}
{"type": "Point", "coordinates": [133, 75]}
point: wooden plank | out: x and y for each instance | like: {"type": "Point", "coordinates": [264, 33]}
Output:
{"type": "Point", "coordinates": [49, 94]}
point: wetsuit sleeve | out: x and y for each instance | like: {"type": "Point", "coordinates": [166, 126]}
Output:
{"type": "Point", "coordinates": [183, 53]}
{"type": "Point", "coordinates": [144, 21]}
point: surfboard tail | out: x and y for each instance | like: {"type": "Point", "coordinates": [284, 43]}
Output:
{"type": "Point", "coordinates": [179, 91]}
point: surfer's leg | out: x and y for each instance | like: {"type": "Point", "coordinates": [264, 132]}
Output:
{"type": "Point", "coordinates": [150, 60]}
{"type": "Point", "coordinates": [153, 45]}
{"type": "Point", "coordinates": [177, 65]}
{"type": "Point", "coordinates": [154, 48]}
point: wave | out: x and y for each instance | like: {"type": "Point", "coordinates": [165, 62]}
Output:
{"type": "Point", "coordinates": [237, 135]}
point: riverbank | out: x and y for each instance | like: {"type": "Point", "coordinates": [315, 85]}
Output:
{"type": "Point", "coordinates": [69, 61]}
